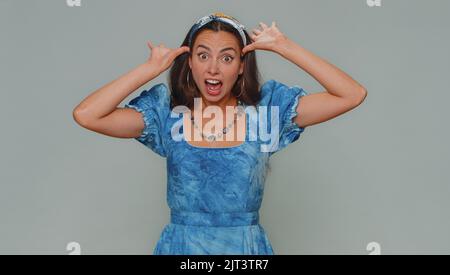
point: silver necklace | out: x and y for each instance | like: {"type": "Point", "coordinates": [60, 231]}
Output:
{"type": "Point", "coordinates": [225, 130]}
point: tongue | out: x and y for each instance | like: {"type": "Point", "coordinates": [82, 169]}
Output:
{"type": "Point", "coordinates": [213, 87]}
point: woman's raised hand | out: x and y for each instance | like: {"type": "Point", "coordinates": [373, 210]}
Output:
{"type": "Point", "coordinates": [266, 38]}
{"type": "Point", "coordinates": [163, 57]}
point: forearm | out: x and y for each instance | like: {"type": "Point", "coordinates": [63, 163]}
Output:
{"type": "Point", "coordinates": [106, 99]}
{"type": "Point", "coordinates": [330, 77]}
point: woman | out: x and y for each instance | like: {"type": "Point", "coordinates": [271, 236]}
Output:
{"type": "Point", "coordinates": [215, 186]}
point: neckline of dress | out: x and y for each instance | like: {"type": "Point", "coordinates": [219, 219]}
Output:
{"type": "Point", "coordinates": [228, 147]}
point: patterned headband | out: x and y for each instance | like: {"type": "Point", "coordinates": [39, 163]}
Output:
{"type": "Point", "coordinates": [218, 16]}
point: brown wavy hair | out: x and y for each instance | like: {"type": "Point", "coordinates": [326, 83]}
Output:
{"type": "Point", "coordinates": [183, 93]}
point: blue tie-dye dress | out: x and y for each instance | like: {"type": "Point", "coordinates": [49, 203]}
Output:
{"type": "Point", "coordinates": [214, 194]}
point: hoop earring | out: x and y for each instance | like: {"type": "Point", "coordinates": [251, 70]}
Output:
{"type": "Point", "coordinates": [187, 78]}
{"type": "Point", "coordinates": [242, 89]}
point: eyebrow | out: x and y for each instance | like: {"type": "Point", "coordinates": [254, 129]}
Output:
{"type": "Point", "coordinates": [222, 50]}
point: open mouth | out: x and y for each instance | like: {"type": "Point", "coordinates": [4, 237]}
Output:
{"type": "Point", "coordinates": [213, 86]}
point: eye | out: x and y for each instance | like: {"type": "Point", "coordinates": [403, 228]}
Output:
{"type": "Point", "coordinates": [230, 58]}
{"type": "Point", "coordinates": [201, 55]}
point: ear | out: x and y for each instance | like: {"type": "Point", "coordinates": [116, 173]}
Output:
{"type": "Point", "coordinates": [190, 62]}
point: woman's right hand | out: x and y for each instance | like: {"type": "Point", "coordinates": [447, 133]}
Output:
{"type": "Point", "coordinates": [163, 57]}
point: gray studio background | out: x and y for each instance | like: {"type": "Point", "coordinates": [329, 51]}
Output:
{"type": "Point", "coordinates": [378, 173]}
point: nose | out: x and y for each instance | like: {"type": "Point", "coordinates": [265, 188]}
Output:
{"type": "Point", "coordinates": [213, 67]}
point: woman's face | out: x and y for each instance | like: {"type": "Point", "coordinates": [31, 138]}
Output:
{"type": "Point", "coordinates": [216, 56]}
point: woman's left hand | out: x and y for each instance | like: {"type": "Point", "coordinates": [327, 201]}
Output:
{"type": "Point", "coordinates": [266, 38]}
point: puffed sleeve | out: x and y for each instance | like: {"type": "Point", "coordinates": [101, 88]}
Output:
{"type": "Point", "coordinates": [274, 93]}
{"type": "Point", "coordinates": [154, 105]}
